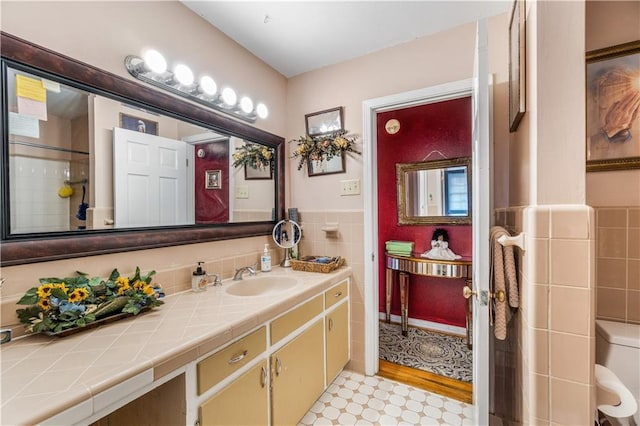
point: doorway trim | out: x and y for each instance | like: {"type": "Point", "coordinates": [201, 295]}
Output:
{"type": "Point", "coordinates": [370, 108]}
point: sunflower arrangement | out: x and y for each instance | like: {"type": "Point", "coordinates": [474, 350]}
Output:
{"type": "Point", "coordinates": [253, 155]}
{"type": "Point", "coordinates": [60, 304]}
{"type": "Point", "coordinates": [324, 147]}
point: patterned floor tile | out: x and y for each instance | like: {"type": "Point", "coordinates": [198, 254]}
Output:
{"type": "Point", "coordinates": [354, 399]}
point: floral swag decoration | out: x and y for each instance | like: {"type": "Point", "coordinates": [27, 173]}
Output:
{"type": "Point", "coordinates": [253, 155]}
{"type": "Point", "coordinates": [60, 304]}
{"type": "Point", "coordinates": [324, 147]}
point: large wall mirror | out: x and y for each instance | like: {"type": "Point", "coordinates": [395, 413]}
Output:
{"type": "Point", "coordinates": [93, 163]}
{"type": "Point", "coordinates": [434, 192]}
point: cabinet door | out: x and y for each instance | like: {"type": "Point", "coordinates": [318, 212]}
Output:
{"type": "Point", "coordinates": [243, 402]}
{"type": "Point", "coordinates": [297, 376]}
{"type": "Point", "coordinates": [337, 332]}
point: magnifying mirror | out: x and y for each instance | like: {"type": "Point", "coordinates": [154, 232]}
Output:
{"type": "Point", "coordinates": [287, 235]}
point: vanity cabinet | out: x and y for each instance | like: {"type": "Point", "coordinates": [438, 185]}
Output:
{"type": "Point", "coordinates": [270, 376]}
{"type": "Point", "coordinates": [243, 402]}
{"type": "Point", "coordinates": [307, 347]}
{"type": "Point", "coordinates": [297, 376]}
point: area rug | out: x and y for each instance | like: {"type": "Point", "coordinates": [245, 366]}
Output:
{"type": "Point", "coordinates": [430, 351]}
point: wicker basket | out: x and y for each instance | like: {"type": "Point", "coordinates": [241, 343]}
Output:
{"type": "Point", "coordinates": [305, 264]}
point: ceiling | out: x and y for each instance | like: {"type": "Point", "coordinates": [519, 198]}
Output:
{"type": "Point", "coordinates": [299, 36]}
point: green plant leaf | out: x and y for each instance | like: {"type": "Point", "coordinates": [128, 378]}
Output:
{"type": "Point", "coordinates": [30, 297]}
{"type": "Point", "coordinates": [114, 275]}
{"type": "Point", "coordinates": [56, 292]}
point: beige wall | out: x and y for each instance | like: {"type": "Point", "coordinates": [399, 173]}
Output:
{"type": "Point", "coordinates": [615, 195]}
{"type": "Point", "coordinates": [547, 197]}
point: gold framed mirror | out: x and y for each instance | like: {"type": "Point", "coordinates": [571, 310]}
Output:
{"type": "Point", "coordinates": [434, 192]}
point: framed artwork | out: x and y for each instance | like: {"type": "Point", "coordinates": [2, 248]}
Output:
{"type": "Point", "coordinates": [324, 122]}
{"type": "Point", "coordinates": [613, 108]}
{"type": "Point", "coordinates": [138, 124]}
{"type": "Point", "coordinates": [252, 173]}
{"type": "Point", "coordinates": [327, 167]}
{"type": "Point", "coordinates": [213, 179]}
{"type": "Point", "coordinates": [517, 65]}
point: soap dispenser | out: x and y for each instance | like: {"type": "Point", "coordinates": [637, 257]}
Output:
{"type": "Point", "coordinates": [199, 279]}
{"type": "Point", "coordinates": [265, 259]}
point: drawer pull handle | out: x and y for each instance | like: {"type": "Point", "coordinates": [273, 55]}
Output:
{"type": "Point", "coordinates": [278, 366]}
{"type": "Point", "coordinates": [338, 294]}
{"type": "Point", "coordinates": [238, 357]}
{"type": "Point", "coordinates": [330, 324]}
{"type": "Point", "coordinates": [263, 377]}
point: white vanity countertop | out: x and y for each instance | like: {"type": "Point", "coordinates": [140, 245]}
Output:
{"type": "Point", "coordinates": [43, 376]}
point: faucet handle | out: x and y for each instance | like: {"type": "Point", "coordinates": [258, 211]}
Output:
{"type": "Point", "coordinates": [217, 282]}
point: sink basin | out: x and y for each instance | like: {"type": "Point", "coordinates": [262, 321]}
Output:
{"type": "Point", "coordinates": [261, 286]}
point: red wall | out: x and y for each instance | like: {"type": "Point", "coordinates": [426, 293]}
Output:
{"type": "Point", "coordinates": [445, 127]}
{"type": "Point", "coordinates": [212, 205]}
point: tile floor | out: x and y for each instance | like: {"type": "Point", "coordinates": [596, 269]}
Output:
{"type": "Point", "coordinates": [354, 399]}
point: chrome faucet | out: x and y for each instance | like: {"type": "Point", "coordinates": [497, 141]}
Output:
{"type": "Point", "coordinates": [250, 269]}
{"type": "Point", "coordinates": [217, 282]}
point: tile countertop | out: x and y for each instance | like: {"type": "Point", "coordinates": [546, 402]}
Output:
{"type": "Point", "coordinates": [43, 376]}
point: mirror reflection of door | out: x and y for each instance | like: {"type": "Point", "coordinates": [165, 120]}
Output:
{"type": "Point", "coordinates": [150, 180]}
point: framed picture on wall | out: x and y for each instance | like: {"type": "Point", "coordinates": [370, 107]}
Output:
{"type": "Point", "coordinates": [517, 64]}
{"type": "Point", "coordinates": [324, 122]}
{"type": "Point", "coordinates": [253, 173]}
{"type": "Point", "coordinates": [138, 124]}
{"type": "Point", "coordinates": [213, 179]}
{"type": "Point", "coordinates": [327, 167]}
{"type": "Point", "coordinates": [613, 108]}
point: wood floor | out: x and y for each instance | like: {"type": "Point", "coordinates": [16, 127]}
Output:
{"type": "Point", "coordinates": [456, 389]}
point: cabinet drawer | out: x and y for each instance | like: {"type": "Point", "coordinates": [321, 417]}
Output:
{"type": "Point", "coordinates": [336, 294]}
{"type": "Point", "coordinates": [290, 321]}
{"type": "Point", "coordinates": [221, 364]}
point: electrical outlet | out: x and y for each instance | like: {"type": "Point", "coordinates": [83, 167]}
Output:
{"type": "Point", "coordinates": [350, 187]}
{"type": "Point", "coordinates": [242, 191]}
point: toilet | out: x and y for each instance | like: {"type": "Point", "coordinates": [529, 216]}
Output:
{"type": "Point", "coordinates": [618, 371]}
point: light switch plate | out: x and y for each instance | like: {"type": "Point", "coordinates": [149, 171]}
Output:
{"type": "Point", "coordinates": [350, 187]}
{"type": "Point", "coordinates": [242, 191]}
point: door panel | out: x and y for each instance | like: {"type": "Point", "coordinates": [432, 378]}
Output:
{"type": "Point", "coordinates": [150, 180]}
{"type": "Point", "coordinates": [243, 402]}
{"type": "Point", "coordinates": [297, 376]}
{"type": "Point", "coordinates": [481, 222]}
{"type": "Point", "coordinates": [337, 332]}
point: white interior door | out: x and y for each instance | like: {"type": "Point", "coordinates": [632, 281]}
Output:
{"type": "Point", "coordinates": [150, 180]}
{"type": "Point", "coordinates": [482, 202]}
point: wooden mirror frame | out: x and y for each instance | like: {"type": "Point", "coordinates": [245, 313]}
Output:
{"type": "Point", "coordinates": [31, 248]}
{"type": "Point", "coordinates": [402, 168]}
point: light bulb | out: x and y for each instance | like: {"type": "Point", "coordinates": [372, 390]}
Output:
{"type": "Point", "coordinates": [183, 74]}
{"type": "Point", "coordinates": [246, 104]}
{"type": "Point", "coordinates": [208, 85]}
{"type": "Point", "coordinates": [262, 110]}
{"type": "Point", "coordinates": [155, 61]}
{"type": "Point", "coordinates": [229, 96]}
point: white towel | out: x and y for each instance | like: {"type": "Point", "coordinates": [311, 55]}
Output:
{"type": "Point", "coordinates": [502, 278]}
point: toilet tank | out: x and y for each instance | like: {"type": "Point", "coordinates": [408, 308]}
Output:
{"type": "Point", "coordinates": [618, 349]}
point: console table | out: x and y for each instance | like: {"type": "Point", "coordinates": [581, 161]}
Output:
{"type": "Point", "coordinates": [410, 265]}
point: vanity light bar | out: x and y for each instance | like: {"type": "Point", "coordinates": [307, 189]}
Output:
{"type": "Point", "coordinates": [153, 70]}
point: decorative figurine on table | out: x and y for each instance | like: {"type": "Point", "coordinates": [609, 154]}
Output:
{"type": "Point", "coordinates": [440, 247]}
